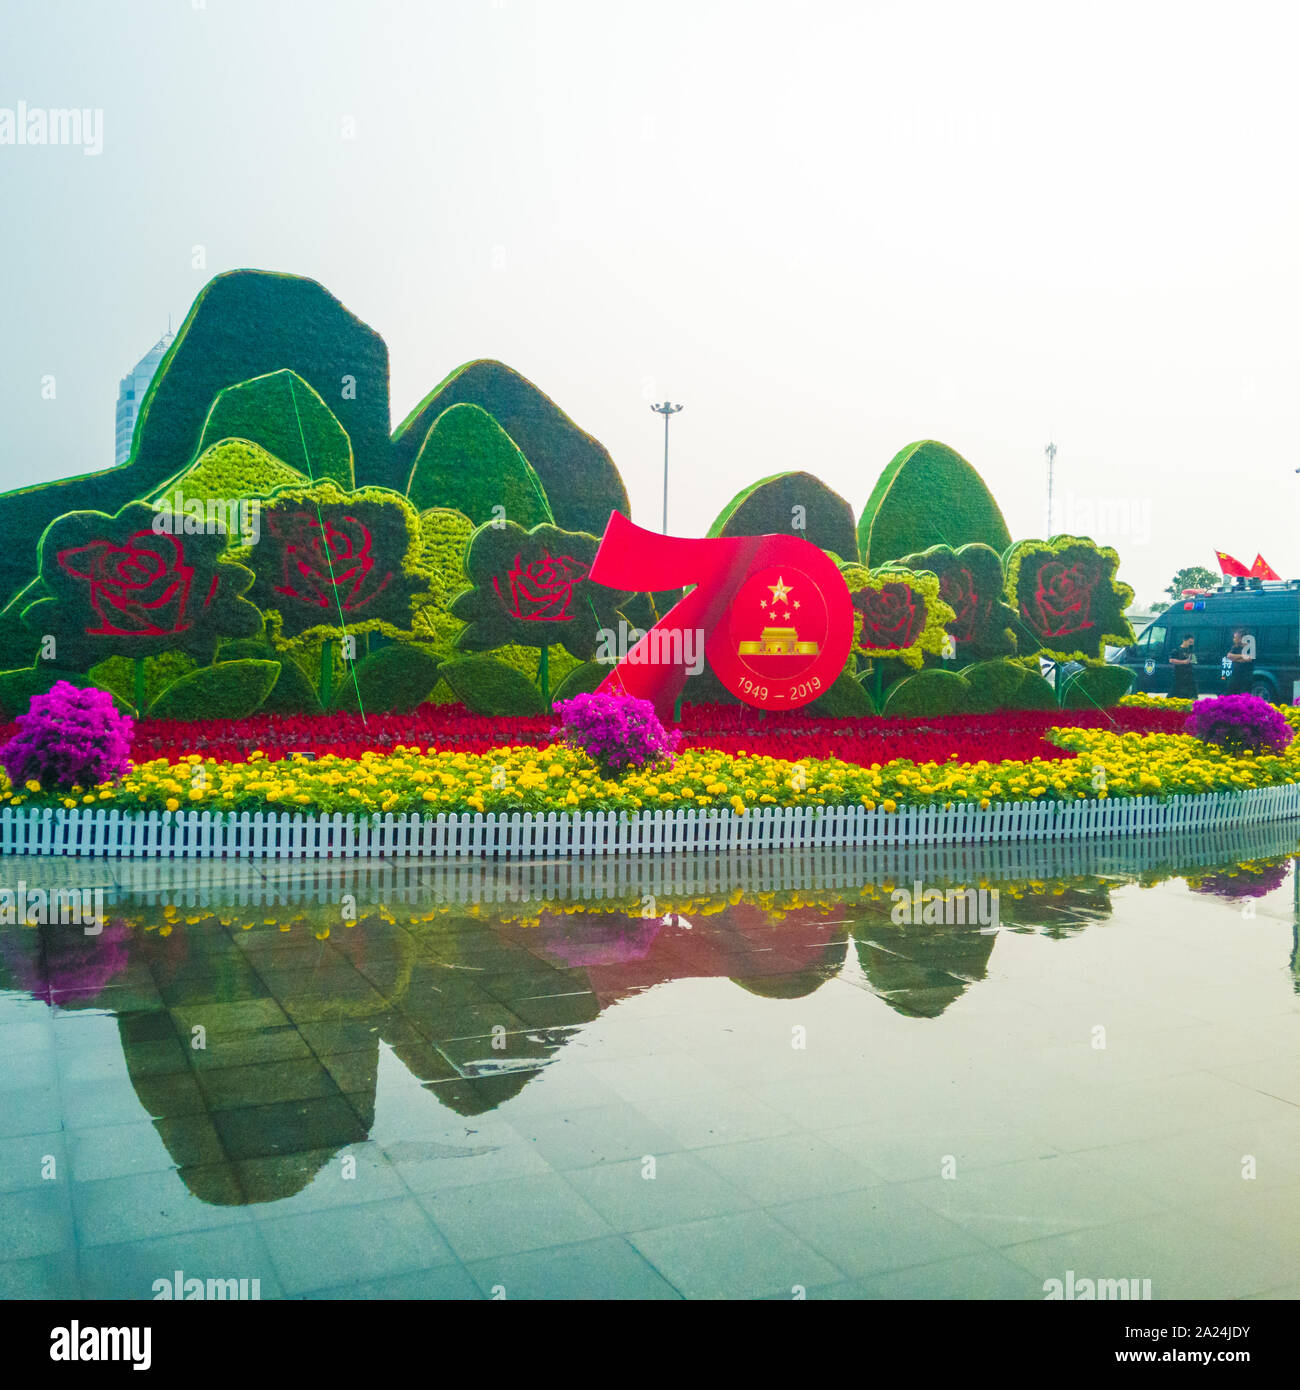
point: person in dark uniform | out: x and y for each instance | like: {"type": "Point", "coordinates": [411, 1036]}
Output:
{"type": "Point", "coordinates": [1239, 663]}
{"type": "Point", "coordinates": [1184, 663]}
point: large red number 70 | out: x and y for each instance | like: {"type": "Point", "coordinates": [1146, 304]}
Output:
{"type": "Point", "coordinates": [773, 614]}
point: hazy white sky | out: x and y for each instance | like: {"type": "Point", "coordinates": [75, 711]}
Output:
{"type": "Point", "coordinates": [827, 229]}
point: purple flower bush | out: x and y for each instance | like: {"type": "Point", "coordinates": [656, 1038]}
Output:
{"type": "Point", "coordinates": [616, 731]}
{"type": "Point", "coordinates": [71, 966]}
{"type": "Point", "coordinates": [1244, 882]}
{"type": "Point", "coordinates": [1240, 724]}
{"type": "Point", "coordinates": [72, 736]}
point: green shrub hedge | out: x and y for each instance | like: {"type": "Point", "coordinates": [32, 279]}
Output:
{"type": "Point", "coordinates": [768, 507]}
{"type": "Point", "coordinates": [928, 495]}
{"type": "Point", "coordinates": [228, 690]}
{"type": "Point", "coordinates": [394, 679]}
{"type": "Point", "coordinates": [470, 464]}
{"type": "Point", "coordinates": [485, 685]}
{"type": "Point", "coordinates": [582, 484]}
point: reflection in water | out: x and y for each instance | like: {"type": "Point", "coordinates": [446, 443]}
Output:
{"type": "Point", "coordinates": [282, 988]}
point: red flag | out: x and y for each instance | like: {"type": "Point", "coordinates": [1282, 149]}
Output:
{"type": "Point", "coordinates": [1232, 567]}
{"type": "Point", "coordinates": [1261, 569]}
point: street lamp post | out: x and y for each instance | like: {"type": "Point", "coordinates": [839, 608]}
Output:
{"type": "Point", "coordinates": [666, 410]}
{"type": "Point", "coordinates": [1050, 451]}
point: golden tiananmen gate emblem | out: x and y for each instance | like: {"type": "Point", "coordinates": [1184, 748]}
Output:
{"type": "Point", "coordinates": [777, 641]}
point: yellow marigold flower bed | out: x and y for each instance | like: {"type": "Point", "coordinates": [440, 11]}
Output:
{"type": "Point", "coordinates": [557, 778]}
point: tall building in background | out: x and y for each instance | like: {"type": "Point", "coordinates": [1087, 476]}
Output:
{"type": "Point", "coordinates": [131, 392]}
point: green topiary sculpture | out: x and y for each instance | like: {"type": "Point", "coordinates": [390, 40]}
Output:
{"type": "Point", "coordinates": [470, 464]}
{"type": "Point", "coordinates": [794, 503]}
{"type": "Point", "coordinates": [582, 485]}
{"type": "Point", "coordinates": [928, 495]}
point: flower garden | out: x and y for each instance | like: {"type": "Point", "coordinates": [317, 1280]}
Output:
{"type": "Point", "coordinates": [277, 605]}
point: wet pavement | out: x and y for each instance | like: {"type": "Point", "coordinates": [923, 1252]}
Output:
{"type": "Point", "coordinates": [694, 1078]}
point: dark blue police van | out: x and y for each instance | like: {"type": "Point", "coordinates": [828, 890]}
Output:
{"type": "Point", "coordinates": [1270, 611]}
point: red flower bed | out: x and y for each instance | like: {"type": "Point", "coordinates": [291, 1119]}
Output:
{"type": "Point", "coordinates": [1008, 734]}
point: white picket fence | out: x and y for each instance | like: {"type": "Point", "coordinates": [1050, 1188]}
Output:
{"type": "Point", "coordinates": [201, 835]}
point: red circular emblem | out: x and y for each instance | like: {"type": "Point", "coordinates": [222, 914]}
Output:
{"type": "Point", "coordinates": [778, 646]}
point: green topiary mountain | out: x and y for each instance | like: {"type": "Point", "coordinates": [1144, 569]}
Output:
{"type": "Point", "coordinates": [928, 495]}
{"type": "Point", "coordinates": [470, 464]}
{"type": "Point", "coordinates": [231, 468]}
{"type": "Point", "coordinates": [582, 484]}
{"type": "Point", "coordinates": [769, 507]}
{"type": "Point", "coordinates": [244, 324]}
{"type": "Point", "coordinates": [288, 418]}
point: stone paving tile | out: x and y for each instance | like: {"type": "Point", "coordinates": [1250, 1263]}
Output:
{"type": "Point", "coordinates": [610, 1268]}
{"type": "Point", "coordinates": [356, 1244]}
{"type": "Point", "coordinates": [699, 1258]}
{"type": "Point", "coordinates": [507, 1218]}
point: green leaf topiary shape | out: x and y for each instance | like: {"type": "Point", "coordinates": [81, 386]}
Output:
{"type": "Point", "coordinates": [928, 495]}
{"type": "Point", "coordinates": [117, 673]}
{"type": "Point", "coordinates": [847, 698]}
{"type": "Point", "coordinates": [292, 693]}
{"type": "Point", "coordinates": [928, 693]}
{"type": "Point", "coordinates": [485, 685]}
{"type": "Point", "coordinates": [396, 678]}
{"type": "Point", "coordinates": [582, 680]}
{"type": "Point", "coordinates": [1097, 687]}
{"type": "Point", "coordinates": [470, 464]}
{"type": "Point", "coordinates": [17, 688]}
{"type": "Point", "coordinates": [1001, 684]}
{"type": "Point", "coordinates": [228, 690]}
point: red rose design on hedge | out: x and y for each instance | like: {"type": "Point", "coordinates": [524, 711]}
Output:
{"type": "Point", "coordinates": [957, 588]}
{"type": "Point", "coordinates": [542, 590]}
{"type": "Point", "coordinates": [893, 616]}
{"type": "Point", "coordinates": [1063, 597]}
{"type": "Point", "coordinates": [138, 589]}
{"type": "Point", "coordinates": [327, 564]}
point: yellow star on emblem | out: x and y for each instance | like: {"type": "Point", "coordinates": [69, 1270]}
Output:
{"type": "Point", "coordinates": [779, 590]}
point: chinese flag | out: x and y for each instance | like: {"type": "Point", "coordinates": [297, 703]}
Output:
{"type": "Point", "coordinates": [1261, 569]}
{"type": "Point", "coordinates": [1232, 567]}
